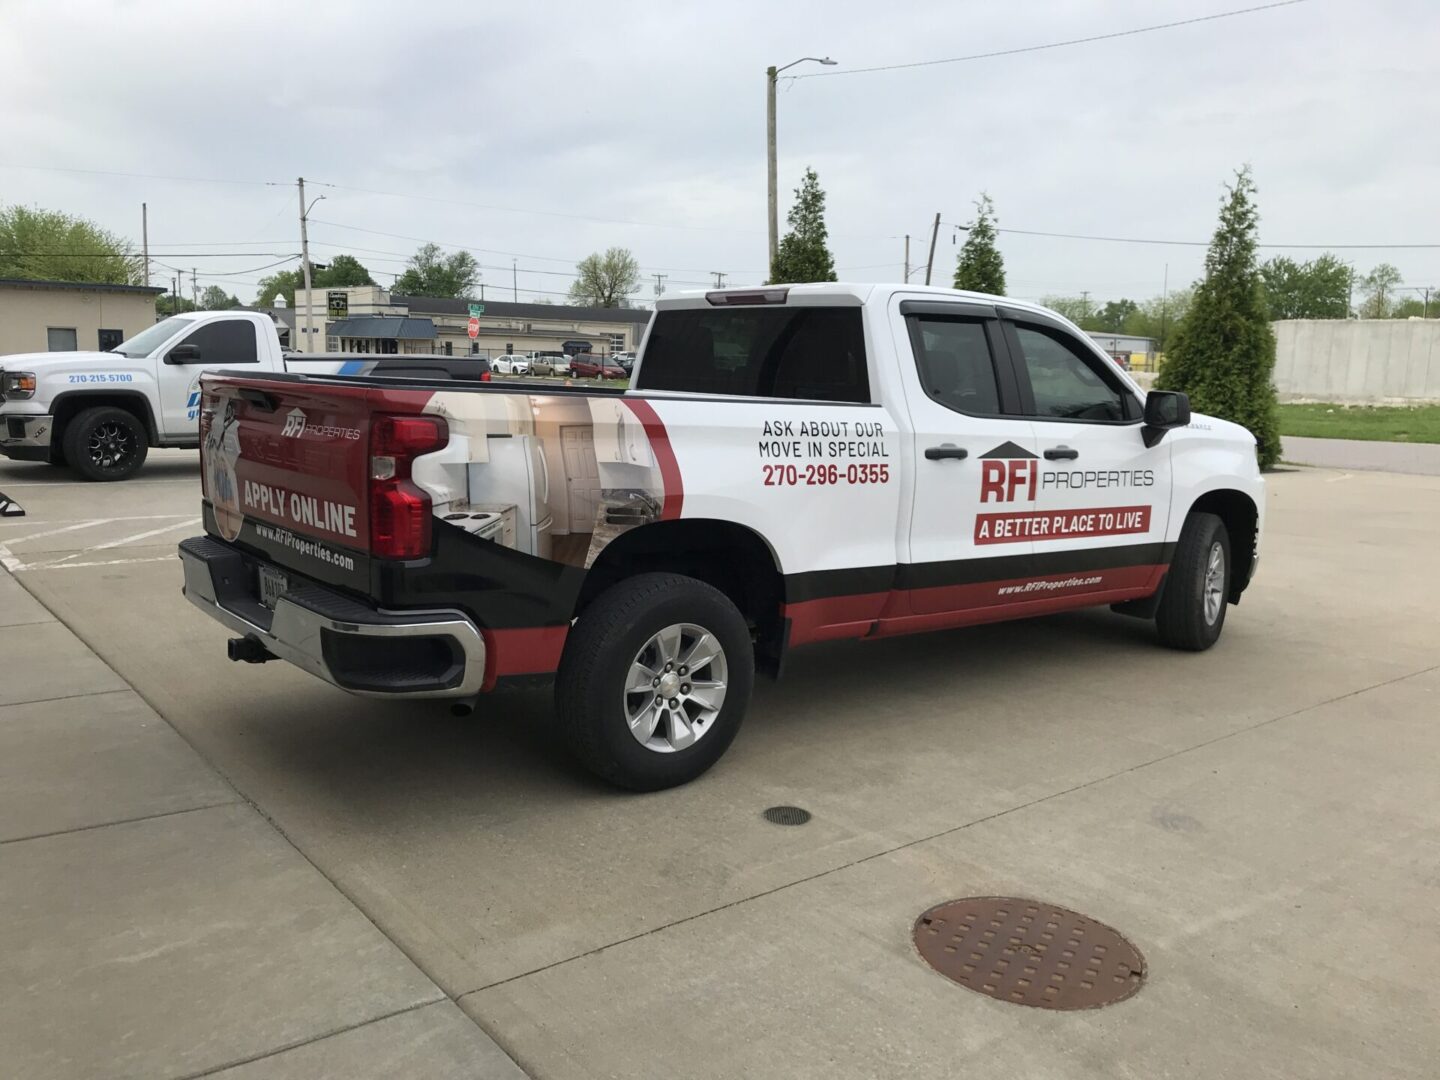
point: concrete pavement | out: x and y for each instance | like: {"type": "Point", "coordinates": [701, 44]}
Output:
{"type": "Point", "coordinates": [1261, 819]}
{"type": "Point", "coordinates": [156, 925]}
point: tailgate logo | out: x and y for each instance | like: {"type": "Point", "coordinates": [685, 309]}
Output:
{"type": "Point", "coordinates": [294, 424]}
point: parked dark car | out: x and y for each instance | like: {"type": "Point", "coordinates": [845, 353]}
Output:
{"type": "Point", "coordinates": [590, 366]}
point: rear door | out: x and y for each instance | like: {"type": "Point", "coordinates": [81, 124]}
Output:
{"type": "Point", "coordinates": [285, 467]}
{"type": "Point", "coordinates": [974, 464]}
{"type": "Point", "coordinates": [1103, 497]}
{"type": "Point", "coordinates": [223, 343]}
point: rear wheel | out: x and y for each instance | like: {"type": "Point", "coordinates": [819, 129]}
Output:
{"type": "Point", "coordinates": [655, 681]}
{"type": "Point", "coordinates": [1197, 588]}
{"type": "Point", "coordinates": [105, 443]}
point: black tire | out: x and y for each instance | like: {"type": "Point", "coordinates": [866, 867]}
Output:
{"type": "Point", "coordinates": [590, 691]}
{"type": "Point", "coordinates": [1183, 619]}
{"type": "Point", "coordinates": [105, 443]}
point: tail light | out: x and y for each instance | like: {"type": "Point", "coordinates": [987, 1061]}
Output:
{"type": "Point", "coordinates": [485, 376]}
{"type": "Point", "coordinates": [400, 510]}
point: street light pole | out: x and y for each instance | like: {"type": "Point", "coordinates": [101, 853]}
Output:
{"type": "Point", "coordinates": [774, 216]}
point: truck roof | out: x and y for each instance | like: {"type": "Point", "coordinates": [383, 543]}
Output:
{"type": "Point", "coordinates": [840, 291]}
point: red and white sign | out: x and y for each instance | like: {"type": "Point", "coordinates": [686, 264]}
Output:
{"type": "Point", "coordinates": [1061, 524]}
{"type": "Point", "coordinates": [473, 328]}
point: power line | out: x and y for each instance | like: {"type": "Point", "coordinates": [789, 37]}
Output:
{"type": "Point", "coordinates": [1206, 243]}
{"type": "Point", "coordinates": [144, 176]}
{"type": "Point", "coordinates": [1050, 45]}
{"type": "Point", "coordinates": [122, 255]}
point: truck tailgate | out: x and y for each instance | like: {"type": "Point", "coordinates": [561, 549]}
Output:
{"type": "Point", "coordinates": [285, 467]}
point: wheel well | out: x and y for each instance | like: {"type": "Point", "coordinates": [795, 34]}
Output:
{"type": "Point", "coordinates": [1237, 511]}
{"type": "Point", "coordinates": [727, 556]}
{"type": "Point", "coordinates": [68, 406]}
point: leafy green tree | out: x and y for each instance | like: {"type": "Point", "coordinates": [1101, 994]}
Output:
{"type": "Point", "coordinates": [165, 306]}
{"type": "Point", "coordinates": [1074, 308]}
{"type": "Point", "coordinates": [1318, 289]}
{"type": "Point", "coordinates": [1415, 307]}
{"type": "Point", "coordinates": [605, 280]}
{"type": "Point", "coordinates": [1378, 288]}
{"type": "Point", "coordinates": [48, 245]}
{"type": "Point", "coordinates": [1224, 351]}
{"type": "Point", "coordinates": [1111, 318]}
{"type": "Point", "coordinates": [214, 298]}
{"type": "Point", "coordinates": [435, 274]}
{"type": "Point", "coordinates": [980, 267]}
{"type": "Point", "coordinates": [341, 271]}
{"type": "Point", "coordinates": [804, 253]}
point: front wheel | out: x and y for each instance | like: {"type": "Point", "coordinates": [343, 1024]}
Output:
{"type": "Point", "coordinates": [655, 681]}
{"type": "Point", "coordinates": [105, 443]}
{"type": "Point", "coordinates": [1197, 588]}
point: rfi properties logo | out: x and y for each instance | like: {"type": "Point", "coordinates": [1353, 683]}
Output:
{"type": "Point", "coordinates": [294, 424]}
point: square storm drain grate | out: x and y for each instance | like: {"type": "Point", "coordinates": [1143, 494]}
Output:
{"type": "Point", "coordinates": [1029, 953]}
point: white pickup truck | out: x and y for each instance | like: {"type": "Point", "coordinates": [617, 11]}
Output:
{"type": "Point", "coordinates": [789, 465]}
{"type": "Point", "coordinates": [100, 412]}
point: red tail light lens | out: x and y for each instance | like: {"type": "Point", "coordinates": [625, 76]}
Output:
{"type": "Point", "coordinates": [400, 510]}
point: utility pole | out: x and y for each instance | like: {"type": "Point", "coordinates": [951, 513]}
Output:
{"type": "Point", "coordinates": [1425, 311]}
{"type": "Point", "coordinates": [195, 286]}
{"type": "Point", "coordinates": [174, 296]}
{"type": "Point", "coordinates": [1164, 305]}
{"type": "Point", "coordinates": [1084, 305]}
{"type": "Point", "coordinates": [934, 233]}
{"type": "Point", "coordinates": [514, 282]}
{"type": "Point", "coordinates": [145, 239]}
{"type": "Point", "coordinates": [719, 278]}
{"type": "Point", "coordinates": [305, 267]}
{"type": "Point", "coordinates": [774, 218]}
{"type": "Point", "coordinates": [659, 284]}
{"type": "Point", "coordinates": [907, 258]}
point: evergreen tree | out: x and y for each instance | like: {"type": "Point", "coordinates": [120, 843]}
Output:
{"type": "Point", "coordinates": [1224, 352]}
{"type": "Point", "coordinates": [804, 254]}
{"type": "Point", "coordinates": [980, 268]}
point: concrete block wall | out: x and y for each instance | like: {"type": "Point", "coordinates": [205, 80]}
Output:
{"type": "Point", "coordinates": [1375, 361]}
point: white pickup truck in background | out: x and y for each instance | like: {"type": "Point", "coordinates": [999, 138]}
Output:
{"type": "Point", "coordinates": [100, 412]}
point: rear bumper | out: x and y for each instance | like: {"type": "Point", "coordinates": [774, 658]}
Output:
{"type": "Point", "coordinates": [410, 654]}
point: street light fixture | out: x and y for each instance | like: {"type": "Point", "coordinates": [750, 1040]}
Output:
{"type": "Point", "coordinates": [770, 76]}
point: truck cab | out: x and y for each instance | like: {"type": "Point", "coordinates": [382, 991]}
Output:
{"type": "Point", "coordinates": [100, 412]}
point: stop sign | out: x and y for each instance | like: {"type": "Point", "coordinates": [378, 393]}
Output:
{"type": "Point", "coordinates": [473, 329]}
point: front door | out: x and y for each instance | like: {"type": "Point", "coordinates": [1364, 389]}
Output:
{"type": "Point", "coordinates": [1102, 498]}
{"type": "Point", "coordinates": [972, 463]}
{"type": "Point", "coordinates": [224, 343]}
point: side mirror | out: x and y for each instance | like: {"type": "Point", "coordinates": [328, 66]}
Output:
{"type": "Point", "coordinates": [1164, 409]}
{"type": "Point", "coordinates": [183, 354]}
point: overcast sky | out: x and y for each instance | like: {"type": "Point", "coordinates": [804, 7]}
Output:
{"type": "Point", "coordinates": [544, 131]}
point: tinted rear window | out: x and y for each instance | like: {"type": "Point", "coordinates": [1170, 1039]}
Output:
{"type": "Point", "coordinates": [815, 354]}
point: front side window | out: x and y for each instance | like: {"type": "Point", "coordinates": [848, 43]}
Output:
{"type": "Point", "coordinates": [1065, 386]}
{"type": "Point", "coordinates": [803, 354]}
{"type": "Point", "coordinates": [952, 357]}
{"type": "Point", "coordinates": [230, 341]}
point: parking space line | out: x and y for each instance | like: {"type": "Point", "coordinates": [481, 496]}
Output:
{"type": "Point", "coordinates": [69, 521]}
{"type": "Point", "coordinates": [146, 535]}
{"type": "Point", "coordinates": [19, 567]}
{"type": "Point", "coordinates": [65, 561]}
{"type": "Point", "coordinates": [56, 532]}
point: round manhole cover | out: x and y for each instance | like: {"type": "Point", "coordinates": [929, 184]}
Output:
{"type": "Point", "coordinates": [787, 815]}
{"type": "Point", "coordinates": [1029, 953]}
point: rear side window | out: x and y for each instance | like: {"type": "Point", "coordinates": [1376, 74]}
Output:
{"type": "Point", "coordinates": [231, 341]}
{"type": "Point", "coordinates": [952, 356]}
{"type": "Point", "coordinates": [807, 354]}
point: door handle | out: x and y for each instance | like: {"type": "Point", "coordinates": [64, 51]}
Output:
{"type": "Point", "coordinates": [947, 450]}
{"type": "Point", "coordinates": [1061, 453]}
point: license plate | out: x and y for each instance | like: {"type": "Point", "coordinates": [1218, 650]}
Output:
{"type": "Point", "coordinates": [272, 586]}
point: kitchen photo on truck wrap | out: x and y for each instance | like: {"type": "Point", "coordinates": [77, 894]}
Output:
{"type": "Point", "coordinates": [789, 466]}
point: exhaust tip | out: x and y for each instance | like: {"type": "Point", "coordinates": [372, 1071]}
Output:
{"type": "Point", "coordinates": [462, 708]}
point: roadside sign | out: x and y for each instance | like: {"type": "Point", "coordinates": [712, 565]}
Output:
{"type": "Point", "coordinates": [473, 328]}
{"type": "Point", "coordinates": [337, 304]}
{"type": "Point", "coordinates": [477, 310]}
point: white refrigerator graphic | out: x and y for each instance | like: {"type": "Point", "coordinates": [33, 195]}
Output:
{"type": "Point", "coordinates": [516, 474]}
